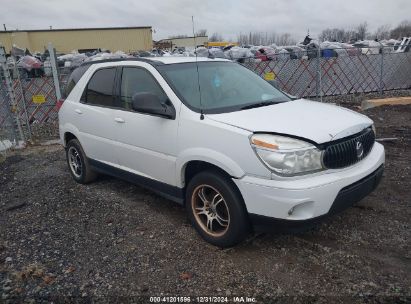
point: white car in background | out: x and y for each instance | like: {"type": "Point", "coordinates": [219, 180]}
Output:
{"type": "Point", "coordinates": [369, 47]}
{"type": "Point", "coordinates": [403, 46]}
{"type": "Point", "coordinates": [215, 137]}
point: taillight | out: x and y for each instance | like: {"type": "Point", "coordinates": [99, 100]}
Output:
{"type": "Point", "coordinates": [59, 103]}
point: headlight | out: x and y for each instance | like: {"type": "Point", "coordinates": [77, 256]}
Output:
{"type": "Point", "coordinates": [286, 156]}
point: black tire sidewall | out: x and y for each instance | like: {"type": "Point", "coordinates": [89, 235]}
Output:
{"type": "Point", "coordinates": [76, 144]}
{"type": "Point", "coordinates": [239, 222]}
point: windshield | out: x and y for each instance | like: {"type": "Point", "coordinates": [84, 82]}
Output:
{"type": "Point", "coordinates": [224, 86]}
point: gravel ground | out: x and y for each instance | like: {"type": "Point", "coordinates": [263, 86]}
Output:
{"type": "Point", "coordinates": [67, 242]}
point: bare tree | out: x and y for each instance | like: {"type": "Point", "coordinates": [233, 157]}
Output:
{"type": "Point", "coordinates": [272, 38]}
{"type": "Point", "coordinates": [215, 37]}
{"type": "Point", "coordinates": [337, 34]}
{"type": "Point", "coordinates": [254, 38]}
{"type": "Point", "coordinates": [201, 33]}
{"type": "Point", "coordinates": [242, 39]}
{"type": "Point", "coordinates": [285, 39]}
{"type": "Point", "coordinates": [362, 31]}
{"type": "Point", "coordinates": [383, 32]}
{"type": "Point", "coordinates": [265, 38]}
{"type": "Point", "coordinates": [326, 35]}
{"type": "Point", "coordinates": [333, 34]}
{"type": "Point", "coordinates": [402, 30]}
{"type": "Point", "coordinates": [350, 36]}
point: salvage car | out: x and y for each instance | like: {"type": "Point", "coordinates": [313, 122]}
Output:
{"type": "Point", "coordinates": [212, 135]}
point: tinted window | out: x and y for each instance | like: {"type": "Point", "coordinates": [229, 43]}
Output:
{"type": "Point", "coordinates": [73, 79]}
{"type": "Point", "coordinates": [100, 88]}
{"type": "Point", "coordinates": [135, 80]}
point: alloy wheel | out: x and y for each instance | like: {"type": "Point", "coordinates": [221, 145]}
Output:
{"type": "Point", "coordinates": [75, 163]}
{"type": "Point", "coordinates": [210, 210]}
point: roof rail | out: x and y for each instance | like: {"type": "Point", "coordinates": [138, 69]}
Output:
{"type": "Point", "coordinates": [152, 62]}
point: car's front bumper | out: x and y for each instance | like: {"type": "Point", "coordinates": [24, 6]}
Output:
{"type": "Point", "coordinates": [303, 201]}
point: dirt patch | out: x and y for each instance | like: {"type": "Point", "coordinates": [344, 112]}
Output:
{"type": "Point", "coordinates": [111, 239]}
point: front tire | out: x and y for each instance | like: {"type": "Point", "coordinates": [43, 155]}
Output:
{"type": "Point", "coordinates": [78, 164]}
{"type": "Point", "coordinates": [216, 209]}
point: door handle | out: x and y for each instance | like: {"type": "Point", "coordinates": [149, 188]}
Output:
{"type": "Point", "coordinates": [78, 111]}
{"type": "Point", "coordinates": [119, 120]}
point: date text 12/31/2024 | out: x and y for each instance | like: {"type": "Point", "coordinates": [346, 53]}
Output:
{"type": "Point", "coordinates": [181, 299]}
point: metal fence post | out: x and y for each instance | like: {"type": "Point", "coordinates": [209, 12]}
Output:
{"type": "Point", "coordinates": [53, 61]}
{"type": "Point", "coordinates": [320, 84]}
{"type": "Point", "coordinates": [10, 93]}
{"type": "Point", "coordinates": [12, 135]}
{"type": "Point", "coordinates": [23, 96]}
{"type": "Point", "coordinates": [382, 71]}
{"type": "Point", "coordinates": [317, 80]}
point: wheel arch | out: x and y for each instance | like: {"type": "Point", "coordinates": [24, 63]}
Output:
{"type": "Point", "coordinates": [68, 136]}
{"type": "Point", "coordinates": [194, 167]}
{"type": "Point", "coordinates": [196, 160]}
{"type": "Point", "coordinates": [68, 132]}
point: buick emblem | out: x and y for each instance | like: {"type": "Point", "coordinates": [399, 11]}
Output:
{"type": "Point", "coordinates": [360, 149]}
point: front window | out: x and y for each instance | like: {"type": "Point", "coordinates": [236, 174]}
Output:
{"type": "Point", "coordinates": [224, 86]}
{"type": "Point", "coordinates": [137, 80]}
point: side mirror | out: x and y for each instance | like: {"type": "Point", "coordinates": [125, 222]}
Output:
{"type": "Point", "coordinates": [150, 103]}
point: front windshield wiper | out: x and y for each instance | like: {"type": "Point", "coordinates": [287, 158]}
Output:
{"type": "Point", "coordinates": [260, 104]}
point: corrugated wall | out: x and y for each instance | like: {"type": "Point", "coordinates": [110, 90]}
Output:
{"type": "Point", "coordinates": [6, 40]}
{"type": "Point", "coordinates": [65, 41]}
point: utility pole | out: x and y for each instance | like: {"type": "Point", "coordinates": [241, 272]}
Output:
{"type": "Point", "coordinates": [4, 25]}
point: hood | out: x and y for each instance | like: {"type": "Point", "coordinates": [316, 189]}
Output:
{"type": "Point", "coordinates": [312, 120]}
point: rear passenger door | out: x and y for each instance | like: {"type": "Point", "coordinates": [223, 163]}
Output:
{"type": "Point", "coordinates": [147, 143]}
{"type": "Point", "coordinates": [94, 116]}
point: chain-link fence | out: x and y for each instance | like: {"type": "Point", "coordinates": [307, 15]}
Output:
{"type": "Point", "coordinates": [11, 131]}
{"type": "Point", "coordinates": [330, 72]}
{"type": "Point", "coordinates": [28, 98]}
{"type": "Point", "coordinates": [36, 100]}
{"type": "Point", "coordinates": [7, 131]}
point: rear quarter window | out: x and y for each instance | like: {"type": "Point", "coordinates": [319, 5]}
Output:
{"type": "Point", "coordinates": [99, 90]}
{"type": "Point", "coordinates": [73, 79]}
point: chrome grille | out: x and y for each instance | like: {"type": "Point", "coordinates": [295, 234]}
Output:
{"type": "Point", "coordinates": [346, 152]}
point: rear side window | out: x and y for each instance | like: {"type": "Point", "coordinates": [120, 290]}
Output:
{"type": "Point", "coordinates": [99, 90]}
{"type": "Point", "coordinates": [73, 79]}
{"type": "Point", "coordinates": [136, 80]}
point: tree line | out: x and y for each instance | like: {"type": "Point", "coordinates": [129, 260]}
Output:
{"type": "Point", "coordinates": [255, 38]}
{"type": "Point", "coordinates": [359, 32]}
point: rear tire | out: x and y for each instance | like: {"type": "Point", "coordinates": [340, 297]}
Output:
{"type": "Point", "coordinates": [78, 164]}
{"type": "Point", "coordinates": [216, 209]}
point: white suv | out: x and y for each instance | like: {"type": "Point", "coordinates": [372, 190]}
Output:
{"type": "Point", "coordinates": [215, 137]}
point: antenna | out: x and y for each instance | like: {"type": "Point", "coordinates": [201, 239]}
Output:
{"type": "Point", "coordinates": [198, 73]}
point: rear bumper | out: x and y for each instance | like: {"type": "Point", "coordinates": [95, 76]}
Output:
{"type": "Point", "coordinates": [345, 198]}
